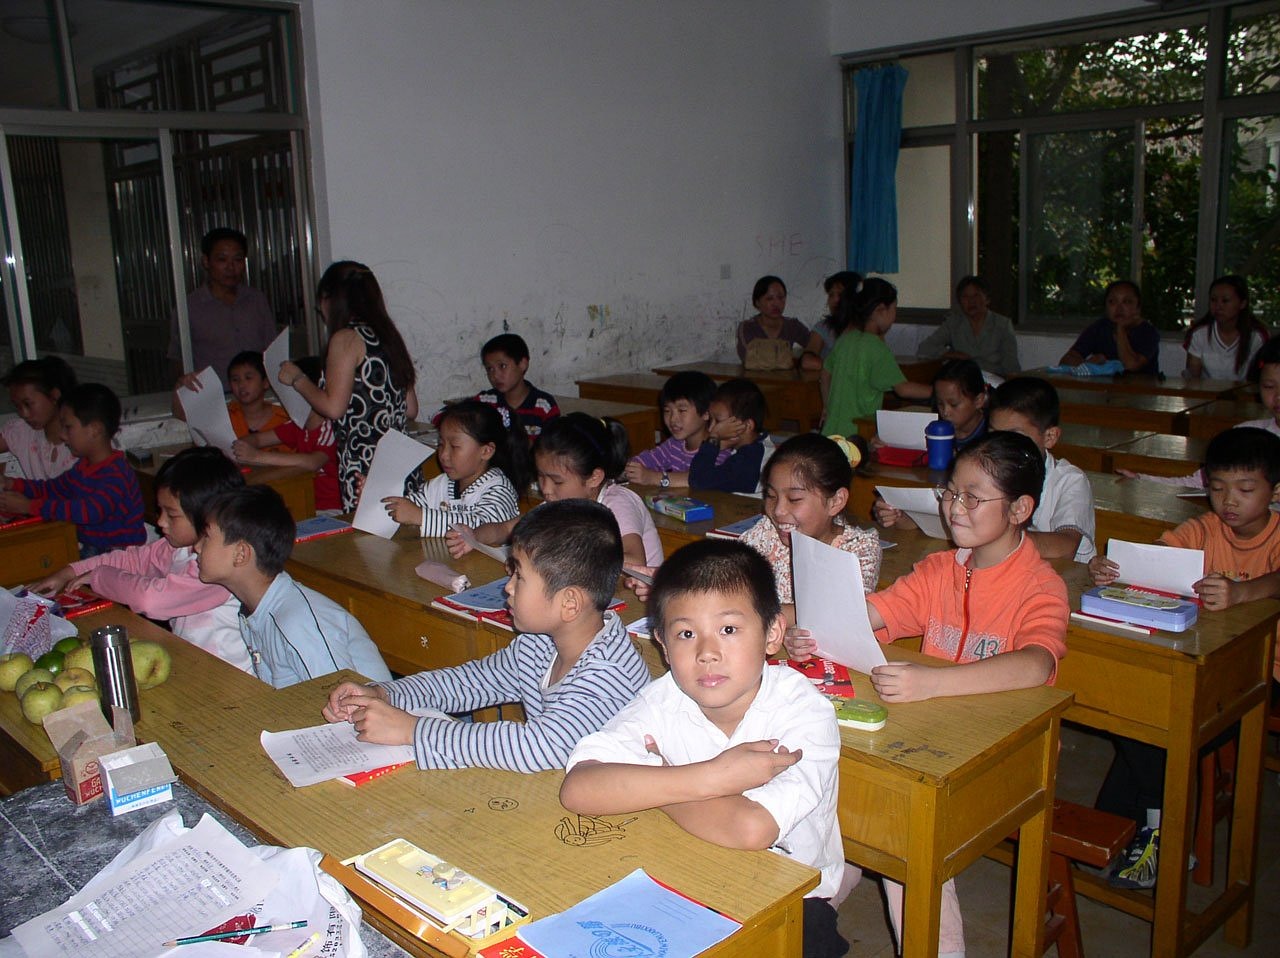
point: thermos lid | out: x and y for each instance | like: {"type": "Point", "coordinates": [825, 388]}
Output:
{"type": "Point", "coordinates": [109, 636]}
{"type": "Point", "coordinates": [940, 429]}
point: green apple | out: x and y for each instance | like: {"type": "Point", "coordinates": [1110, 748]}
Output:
{"type": "Point", "coordinates": [68, 678]}
{"type": "Point", "coordinates": [30, 678]}
{"type": "Point", "coordinates": [77, 694]}
{"type": "Point", "coordinates": [52, 661]}
{"type": "Point", "coordinates": [39, 700]}
{"type": "Point", "coordinates": [151, 664]}
{"type": "Point", "coordinates": [80, 657]}
{"type": "Point", "coordinates": [13, 665]}
{"type": "Point", "coordinates": [66, 645]}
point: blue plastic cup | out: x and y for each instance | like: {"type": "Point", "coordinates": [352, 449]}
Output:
{"type": "Point", "coordinates": [940, 441]}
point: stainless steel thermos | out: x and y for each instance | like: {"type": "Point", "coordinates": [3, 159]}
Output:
{"type": "Point", "coordinates": [113, 666]}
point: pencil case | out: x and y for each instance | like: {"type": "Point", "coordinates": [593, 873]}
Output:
{"type": "Point", "coordinates": [1170, 613]}
{"type": "Point", "coordinates": [682, 508]}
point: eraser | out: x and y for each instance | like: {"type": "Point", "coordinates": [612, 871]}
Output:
{"type": "Point", "coordinates": [859, 714]}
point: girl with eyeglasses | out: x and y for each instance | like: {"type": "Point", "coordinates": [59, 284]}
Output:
{"type": "Point", "coordinates": [992, 605]}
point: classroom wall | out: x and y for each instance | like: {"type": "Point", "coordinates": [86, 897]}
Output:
{"type": "Point", "coordinates": [862, 25]}
{"type": "Point", "coordinates": [606, 178]}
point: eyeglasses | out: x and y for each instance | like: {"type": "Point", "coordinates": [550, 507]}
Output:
{"type": "Point", "coordinates": [967, 500]}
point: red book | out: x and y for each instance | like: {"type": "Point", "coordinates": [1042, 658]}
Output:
{"type": "Point", "coordinates": [11, 520]}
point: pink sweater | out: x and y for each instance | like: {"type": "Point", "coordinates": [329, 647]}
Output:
{"type": "Point", "coordinates": [161, 582]}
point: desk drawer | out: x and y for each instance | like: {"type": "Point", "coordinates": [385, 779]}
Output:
{"type": "Point", "coordinates": [33, 552]}
{"type": "Point", "coordinates": [412, 641]}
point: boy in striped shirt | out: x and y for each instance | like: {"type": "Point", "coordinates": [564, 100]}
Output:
{"type": "Point", "coordinates": [100, 493]}
{"type": "Point", "coordinates": [572, 665]}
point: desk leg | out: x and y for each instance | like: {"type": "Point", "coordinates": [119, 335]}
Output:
{"type": "Point", "coordinates": [922, 898]}
{"type": "Point", "coordinates": [1177, 822]}
{"type": "Point", "coordinates": [1244, 822]}
{"type": "Point", "coordinates": [1033, 860]}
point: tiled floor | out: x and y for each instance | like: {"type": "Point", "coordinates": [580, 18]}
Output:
{"type": "Point", "coordinates": [985, 886]}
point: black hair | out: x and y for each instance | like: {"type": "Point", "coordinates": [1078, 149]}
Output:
{"type": "Point", "coordinates": [94, 402]}
{"type": "Point", "coordinates": [248, 357]}
{"type": "Point", "coordinates": [311, 367]}
{"type": "Point", "coordinates": [714, 565]}
{"type": "Point", "coordinates": [586, 444]}
{"type": "Point", "coordinates": [815, 460]}
{"type": "Point", "coordinates": [1268, 355]}
{"type": "Point", "coordinates": [509, 344]}
{"type": "Point", "coordinates": [965, 373]}
{"type": "Point", "coordinates": [745, 401]}
{"type": "Point", "coordinates": [698, 388]}
{"type": "Point", "coordinates": [762, 286]}
{"type": "Point", "coordinates": [356, 298]}
{"type": "Point", "coordinates": [572, 542]}
{"type": "Point", "coordinates": [197, 476]}
{"type": "Point", "coordinates": [256, 515]}
{"type": "Point", "coordinates": [1118, 284]}
{"type": "Point", "coordinates": [221, 234]}
{"type": "Point", "coordinates": [846, 278]}
{"type": "Point", "coordinates": [975, 281]}
{"type": "Point", "coordinates": [1031, 396]}
{"type": "Point", "coordinates": [47, 374]}
{"type": "Point", "coordinates": [1014, 463]}
{"type": "Point", "coordinates": [1244, 449]}
{"type": "Point", "coordinates": [1248, 324]}
{"type": "Point", "coordinates": [849, 282]}
{"type": "Point", "coordinates": [870, 295]}
{"type": "Point", "coordinates": [483, 423]}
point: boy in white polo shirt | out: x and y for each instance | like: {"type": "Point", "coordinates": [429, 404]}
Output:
{"type": "Point", "coordinates": [735, 751]}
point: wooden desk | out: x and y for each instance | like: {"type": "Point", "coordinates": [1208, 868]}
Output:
{"type": "Point", "coordinates": [1092, 447]}
{"type": "Point", "coordinates": [1146, 385]}
{"type": "Point", "coordinates": [296, 485]}
{"type": "Point", "coordinates": [1158, 413]}
{"type": "Point", "coordinates": [640, 389]}
{"type": "Point", "coordinates": [674, 534]}
{"type": "Point", "coordinates": [506, 828]}
{"type": "Point", "coordinates": [792, 394]}
{"type": "Point", "coordinates": [34, 551]}
{"type": "Point", "coordinates": [1206, 421]}
{"type": "Point", "coordinates": [1160, 455]}
{"type": "Point", "coordinates": [641, 422]}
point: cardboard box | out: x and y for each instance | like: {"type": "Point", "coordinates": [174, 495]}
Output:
{"type": "Point", "coordinates": [81, 736]}
{"type": "Point", "coordinates": [137, 777]}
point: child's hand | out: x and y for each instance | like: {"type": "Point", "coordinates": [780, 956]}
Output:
{"type": "Point", "coordinates": [403, 511]}
{"type": "Point", "coordinates": [359, 487]}
{"type": "Point", "coordinates": [16, 503]}
{"type": "Point", "coordinates": [289, 373]}
{"type": "Point", "coordinates": [638, 473]}
{"type": "Point", "coordinates": [1103, 570]}
{"type": "Point", "coordinates": [1128, 474]}
{"type": "Point", "coordinates": [904, 681]}
{"type": "Point", "coordinates": [342, 700]}
{"type": "Point", "coordinates": [874, 443]}
{"type": "Point", "coordinates": [728, 432]}
{"type": "Point", "coordinates": [189, 381]}
{"type": "Point", "coordinates": [651, 746]}
{"type": "Point", "coordinates": [457, 546]}
{"type": "Point", "coordinates": [381, 723]}
{"type": "Point", "coordinates": [800, 643]}
{"type": "Point", "coordinates": [246, 452]}
{"type": "Point", "coordinates": [60, 581]}
{"type": "Point", "coordinates": [751, 765]}
{"type": "Point", "coordinates": [641, 589]}
{"type": "Point", "coordinates": [1217, 592]}
{"type": "Point", "coordinates": [886, 515]}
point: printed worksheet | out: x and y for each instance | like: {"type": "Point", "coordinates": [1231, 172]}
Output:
{"type": "Point", "coordinates": [310, 755]}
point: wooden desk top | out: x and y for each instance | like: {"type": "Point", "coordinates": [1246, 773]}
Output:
{"type": "Point", "coordinates": [1161, 454]}
{"type": "Point", "coordinates": [645, 381]}
{"type": "Point", "coordinates": [1143, 384]}
{"type": "Point", "coordinates": [1096, 437]}
{"type": "Point", "coordinates": [1176, 404]}
{"type": "Point", "coordinates": [602, 407]}
{"type": "Point", "coordinates": [722, 371]}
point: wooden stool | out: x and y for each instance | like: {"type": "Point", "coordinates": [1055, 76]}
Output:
{"type": "Point", "coordinates": [1080, 834]}
{"type": "Point", "coordinates": [1217, 795]}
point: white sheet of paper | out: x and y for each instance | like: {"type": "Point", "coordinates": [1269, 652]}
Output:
{"type": "Point", "coordinates": [468, 535]}
{"type": "Point", "coordinates": [830, 603]}
{"type": "Point", "coordinates": [920, 504]}
{"type": "Point", "coordinates": [903, 429]}
{"type": "Point", "coordinates": [1165, 568]}
{"type": "Point", "coordinates": [199, 880]}
{"type": "Point", "coordinates": [297, 407]}
{"type": "Point", "coordinates": [394, 458]}
{"type": "Point", "coordinates": [206, 412]}
{"type": "Point", "coordinates": [310, 755]}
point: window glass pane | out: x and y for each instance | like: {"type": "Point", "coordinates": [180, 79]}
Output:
{"type": "Point", "coordinates": [1249, 241]}
{"type": "Point", "coordinates": [1253, 50]}
{"type": "Point", "coordinates": [169, 56]}
{"type": "Point", "coordinates": [1171, 202]}
{"type": "Point", "coordinates": [1080, 197]}
{"type": "Point", "coordinates": [29, 75]}
{"type": "Point", "coordinates": [999, 158]}
{"type": "Point", "coordinates": [1092, 74]}
{"type": "Point", "coordinates": [929, 98]}
{"type": "Point", "coordinates": [96, 249]}
{"type": "Point", "coordinates": [924, 241]}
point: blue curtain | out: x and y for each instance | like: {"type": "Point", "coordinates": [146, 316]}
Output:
{"type": "Point", "coordinates": [873, 219]}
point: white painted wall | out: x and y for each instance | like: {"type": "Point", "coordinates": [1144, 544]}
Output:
{"type": "Point", "coordinates": [580, 172]}
{"type": "Point", "coordinates": [866, 25]}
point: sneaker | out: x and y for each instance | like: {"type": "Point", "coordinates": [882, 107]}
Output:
{"type": "Point", "coordinates": [1136, 867]}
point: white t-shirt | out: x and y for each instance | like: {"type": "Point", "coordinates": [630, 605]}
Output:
{"type": "Point", "coordinates": [1066, 502]}
{"type": "Point", "coordinates": [633, 519]}
{"type": "Point", "coordinates": [802, 799]}
{"type": "Point", "coordinates": [1218, 358]}
{"type": "Point", "coordinates": [37, 457]}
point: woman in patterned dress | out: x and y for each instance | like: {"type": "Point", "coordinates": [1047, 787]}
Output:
{"type": "Point", "coordinates": [367, 386]}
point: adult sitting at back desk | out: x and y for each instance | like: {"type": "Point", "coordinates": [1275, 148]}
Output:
{"type": "Point", "coordinates": [225, 315]}
{"type": "Point", "coordinates": [769, 296]}
{"type": "Point", "coordinates": [1121, 334]}
{"type": "Point", "coordinates": [975, 332]}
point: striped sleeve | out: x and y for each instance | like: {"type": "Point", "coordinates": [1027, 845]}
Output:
{"type": "Point", "coordinates": [492, 499]}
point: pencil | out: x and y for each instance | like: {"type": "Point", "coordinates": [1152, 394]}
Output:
{"type": "Point", "coordinates": [305, 946]}
{"type": "Point", "coordinates": [220, 935]}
